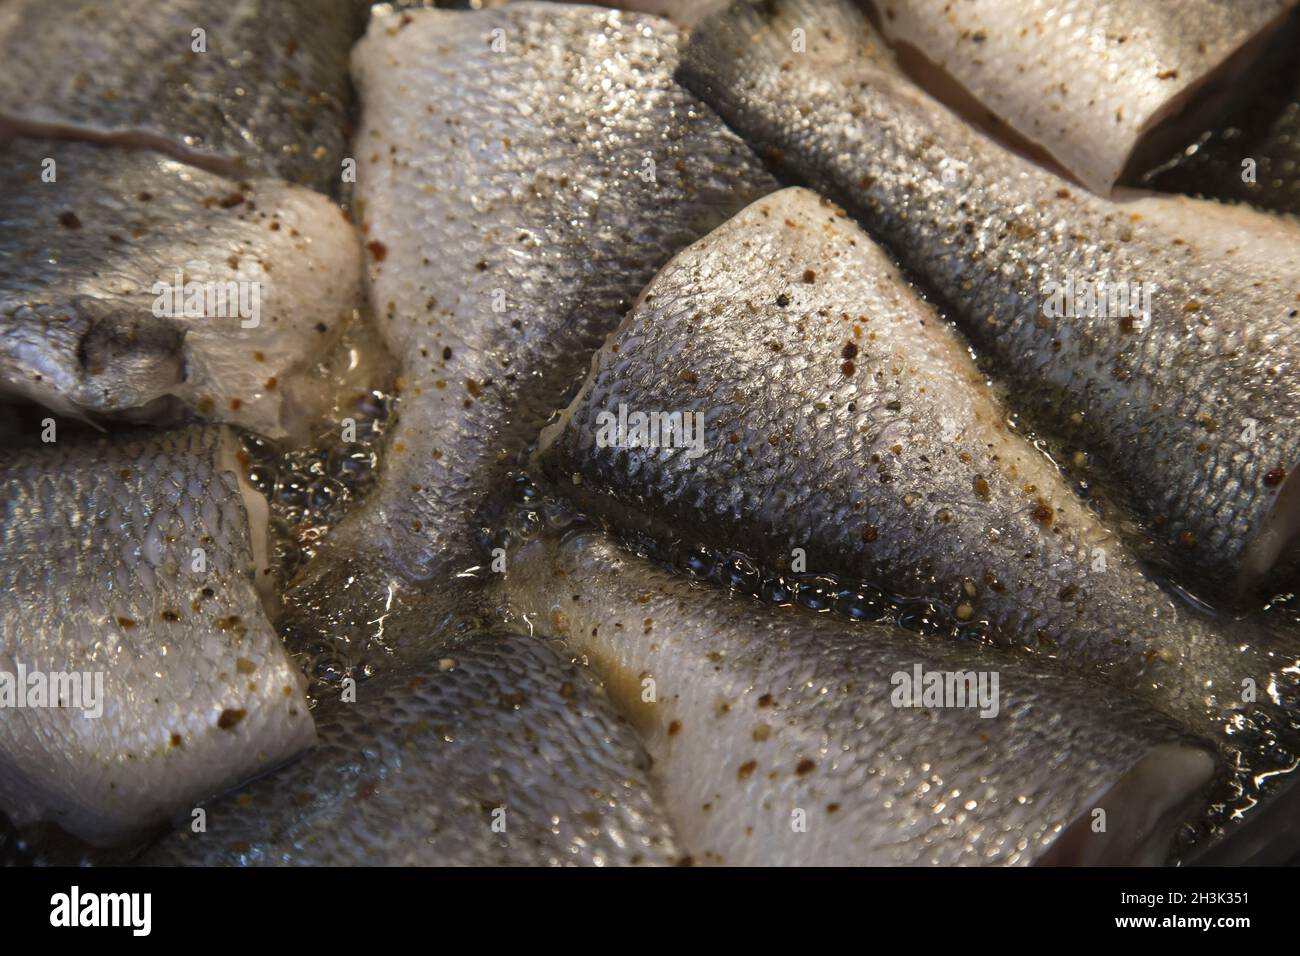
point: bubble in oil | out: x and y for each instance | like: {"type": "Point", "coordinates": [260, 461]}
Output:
{"type": "Point", "coordinates": [863, 603]}
{"type": "Point", "coordinates": [309, 489]}
{"type": "Point", "coordinates": [818, 593]}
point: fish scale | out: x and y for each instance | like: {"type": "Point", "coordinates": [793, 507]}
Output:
{"type": "Point", "coordinates": [1196, 413]}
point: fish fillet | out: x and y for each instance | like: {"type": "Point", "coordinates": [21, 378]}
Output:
{"type": "Point", "coordinates": [1086, 80]}
{"type": "Point", "coordinates": [134, 561]}
{"type": "Point", "coordinates": [779, 739]}
{"type": "Point", "coordinates": [95, 238]}
{"type": "Point", "coordinates": [496, 752]}
{"type": "Point", "coordinates": [523, 171]}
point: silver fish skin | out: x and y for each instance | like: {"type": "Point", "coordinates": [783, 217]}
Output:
{"type": "Point", "coordinates": [778, 737]}
{"type": "Point", "coordinates": [496, 729]}
{"type": "Point", "coordinates": [841, 416]}
{"type": "Point", "coordinates": [1092, 82]}
{"type": "Point", "coordinates": [1195, 406]}
{"type": "Point", "coordinates": [269, 92]}
{"type": "Point", "coordinates": [135, 561]}
{"type": "Point", "coordinates": [89, 326]}
{"type": "Point", "coordinates": [514, 203]}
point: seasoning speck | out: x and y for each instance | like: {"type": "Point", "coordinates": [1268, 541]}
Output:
{"type": "Point", "coordinates": [229, 718]}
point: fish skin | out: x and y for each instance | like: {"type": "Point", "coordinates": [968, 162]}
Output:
{"type": "Point", "coordinates": [409, 773]}
{"type": "Point", "coordinates": [1086, 80]}
{"type": "Point", "coordinates": [79, 260]}
{"type": "Point", "coordinates": [96, 557]}
{"type": "Point", "coordinates": [72, 69]}
{"type": "Point", "coordinates": [744, 691]}
{"type": "Point", "coordinates": [520, 173]}
{"type": "Point", "coordinates": [1165, 408]}
{"type": "Point", "coordinates": [891, 463]}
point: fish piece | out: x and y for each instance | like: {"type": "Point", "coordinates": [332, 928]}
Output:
{"type": "Point", "coordinates": [131, 566]}
{"type": "Point", "coordinates": [116, 296]}
{"type": "Point", "coordinates": [1252, 158]}
{"type": "Point", "coordinates": [259, 85]}
{"type": "Point", "coordinates": [1183, 383]}
{"type": "Point", "coordinates": [542, 235]}
{"type": "Point", "coordinates": [496, 752]}
{"type": "Point", "coordinates": [514, 204]}
{"type": "Point", "coordinates": [836, 413]}
{"type": "Point", "coordinates": [1092, 82]}
{"type": "Point", "coordinates": [779, 737]}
